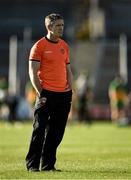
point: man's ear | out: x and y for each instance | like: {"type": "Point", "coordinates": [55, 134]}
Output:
{"type": "Point", "coordinates": [49, 27]}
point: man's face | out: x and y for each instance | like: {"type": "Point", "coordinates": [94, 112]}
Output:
{"type": "Point", "coordinates": [57, 28]}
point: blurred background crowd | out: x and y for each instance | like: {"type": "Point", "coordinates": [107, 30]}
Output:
{"type": "Point", "coordinates": [99, 35]}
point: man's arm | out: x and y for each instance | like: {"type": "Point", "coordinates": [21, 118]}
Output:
{"type": "Point", "coordinates": [33, 69]}
{"type": "Point", "coordinates": [69, 76]}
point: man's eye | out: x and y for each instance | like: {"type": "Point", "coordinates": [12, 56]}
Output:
{"type": "Point", "coordinates": [61, 25]}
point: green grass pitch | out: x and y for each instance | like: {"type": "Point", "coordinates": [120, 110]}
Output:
{"type": "Point", "coordinates": [100, 151]}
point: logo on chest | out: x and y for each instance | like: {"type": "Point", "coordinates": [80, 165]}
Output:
{"type": "Point", "coordinates": [62, 51]}
{"type": "Point", "coordinates": [48, 52]}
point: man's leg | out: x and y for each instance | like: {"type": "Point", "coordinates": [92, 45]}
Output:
{"type": "Point", "coordinates": [37, 140]}
{"type": "Point", "coordinates": [54, 135]}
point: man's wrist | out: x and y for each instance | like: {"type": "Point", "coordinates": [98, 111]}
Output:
{"type": "Point", "coordinates": [39, 93]}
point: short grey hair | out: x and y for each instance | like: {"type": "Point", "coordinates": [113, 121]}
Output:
{"type": "Point", "coordinates": [51, 18]}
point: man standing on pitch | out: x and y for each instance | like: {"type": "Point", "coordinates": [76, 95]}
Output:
{"type": "Point", "coordinates": [50, 75]}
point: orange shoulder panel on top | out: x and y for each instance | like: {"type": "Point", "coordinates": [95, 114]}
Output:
{"type": "Point", "coordinates": [36, 50]}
